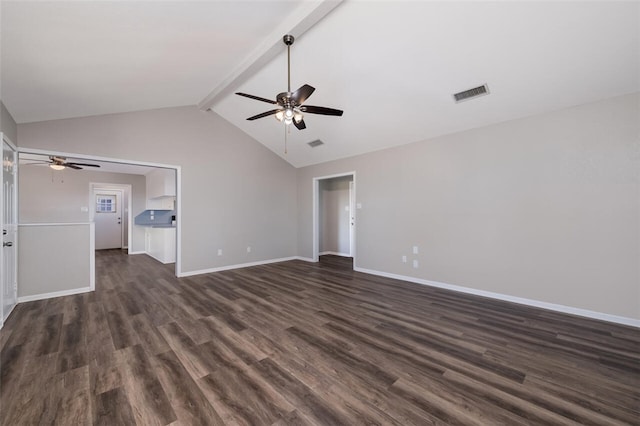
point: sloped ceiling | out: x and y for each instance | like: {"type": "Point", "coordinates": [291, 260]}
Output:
{"type": "Point", "coordinates": [391, 66]}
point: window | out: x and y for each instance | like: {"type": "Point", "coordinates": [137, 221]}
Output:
{"type": "Point", "coordinates": [105, 203]}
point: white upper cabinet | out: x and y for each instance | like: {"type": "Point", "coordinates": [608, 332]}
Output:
{"type": "Point", "coordinates": [161, 183]}
{"type": "Point", "coordinates": [161, 189]}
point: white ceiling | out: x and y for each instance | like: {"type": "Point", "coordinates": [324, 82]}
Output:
{"type": "Point", "coordinates": [391, 66]}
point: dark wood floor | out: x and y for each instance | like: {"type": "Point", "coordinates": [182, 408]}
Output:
{"type": "Point", "coordinates": [298, 343]}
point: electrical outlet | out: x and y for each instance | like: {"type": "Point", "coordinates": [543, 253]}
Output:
{"type": "Point", "coordinates": [248, 249]}
{"type": "Point", "coordinates": [415, 249]}
{"type": "Point", "coordinates": [415, 263]}
{"type": "Point", "coordinates": [404, 259]}
{"type": "Point", "coordinates": [84, 209]}
{"type": "Point", "coordinates": [219, 252]}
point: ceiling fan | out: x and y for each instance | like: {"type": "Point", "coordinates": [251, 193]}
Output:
{"type": "Point", "coordinates": [290, 104]}
{"type": "Point", "coordinates": [61, 163]}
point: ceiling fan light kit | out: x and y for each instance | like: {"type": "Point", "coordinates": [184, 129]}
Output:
{"type": "Point", "coordinates": [290, 104]}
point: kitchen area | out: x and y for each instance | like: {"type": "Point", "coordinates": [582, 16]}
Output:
{"type": "Point", "coordinates": [159, 218]}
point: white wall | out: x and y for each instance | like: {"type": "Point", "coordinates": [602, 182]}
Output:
{"type": "Point", "coordinates": [545, 208]}
{"type": "Point", "coordinates": [48, 196]}
{"type": "Point", "coordinates": [334, 219]}
{"type": "Point", "coordinates": [235, 192]}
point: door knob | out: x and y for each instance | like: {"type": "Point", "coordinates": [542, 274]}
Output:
{"type": "Point", "coordinates": [4, 232]}
{"type": "Point", "coordinates": [7, 244]}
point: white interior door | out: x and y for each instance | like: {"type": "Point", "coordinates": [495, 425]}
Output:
{"type": "Point", "coordinates": [107, 205]}
{"type": "Point", "coordinates": [9, 230]}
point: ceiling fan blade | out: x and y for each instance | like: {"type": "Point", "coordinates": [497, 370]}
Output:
{"type": "Point", "coordinates": [321, 110]}
{"type": "Point", "coordinates": [300, 125]}
{"type": "Point", "coordinates": [82, 164]}
{"type": "Point", "coordinates": [36, 162]}
{"type": "Point", "coordinates": [257, 98]}
{"type": "Point", "coordinates": [264, 114]}
{"type": "Point", "coordinates": [301, 95]}
{"type": "Point", "coordinates": [72, 166]}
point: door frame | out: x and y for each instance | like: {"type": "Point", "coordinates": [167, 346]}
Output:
{"type": "Point", "coordinates": [97, 186]}
{"type": "Point", "coordinates": [178, 170]}
{"type": "Point", "coordinates": [4, 315]}
{"type": "Point", "coordinates": [352, 218]}
{"type": "Point", "coordinates": [316, 215]}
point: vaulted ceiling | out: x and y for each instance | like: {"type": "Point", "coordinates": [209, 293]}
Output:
{"type": "Point", "coordinates": [392, 66]}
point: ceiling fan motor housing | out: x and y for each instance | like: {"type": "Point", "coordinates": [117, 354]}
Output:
{"type": "Point", "coordinates": [285, 100]}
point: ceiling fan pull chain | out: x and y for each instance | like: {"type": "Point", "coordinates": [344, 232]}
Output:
{"type": "Point", "coordinates": [285, 139]}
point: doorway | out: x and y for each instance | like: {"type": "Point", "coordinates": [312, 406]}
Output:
{"type": "Point", "coordinates": [133, 236]}
{"type": "Point", "coordinates": [334, 216]}
{"type": "Point", "coordinates": [8, 255]}
{"type": "Point", "coordinates": [110, 211]}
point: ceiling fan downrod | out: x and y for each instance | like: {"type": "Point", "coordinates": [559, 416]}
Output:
{"type": "Point", "coordinates": [288, 40]}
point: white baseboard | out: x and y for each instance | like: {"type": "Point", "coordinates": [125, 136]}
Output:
{"type": "Point", "coordinates": [520, 300]}
{"type": "Point", "coordinates": [237, 266]}
{"type": "Point", "coordinates": [334, 253]}
{"type": "Point", "coordinates": [54, 294]}
{"type": "Point", "coordinates": [159, 260]}
{"type": "Point", "coordinates": [137, 252]}
{"type": "Point", "coordinates": [305, 259]}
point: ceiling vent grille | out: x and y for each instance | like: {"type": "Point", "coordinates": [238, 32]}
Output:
{"type": "Point", "coordinates": [471, 93]}
{"type": "Point", "coordinates": [315, 143]}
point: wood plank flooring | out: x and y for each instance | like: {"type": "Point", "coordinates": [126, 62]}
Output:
{"type": "Point", "coordinates": [296, 343]}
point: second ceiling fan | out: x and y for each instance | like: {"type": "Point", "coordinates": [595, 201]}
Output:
{"type": "Point", "coordinates": [290, 104]}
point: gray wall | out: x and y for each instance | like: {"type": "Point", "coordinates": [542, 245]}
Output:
{"type": "Point", "coordinates": [8, 125]}
{"type": "Point", "coordinates": [545, 208]}
{"type": "Point", "coordinates": [54, 259]}
{"type": "Point", "coordinates": [235, 192]}
{"type": "Point", "coordinates": [334, 219]}
{"type": "Point", "coordinates": [48, 196]}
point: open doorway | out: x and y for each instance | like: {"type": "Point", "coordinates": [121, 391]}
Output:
{"type": "Point", "coordinates": [106, 188]}
{"type": "Point", "coordinates": [334, 216]}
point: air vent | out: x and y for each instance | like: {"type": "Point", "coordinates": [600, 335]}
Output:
{"type": "Point", "coordinates": [315, 143]}
{"type": "Point", "coordinates": [471, 93]}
